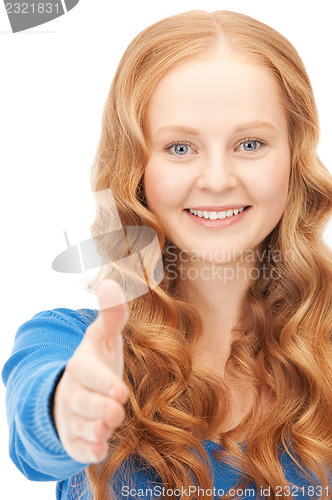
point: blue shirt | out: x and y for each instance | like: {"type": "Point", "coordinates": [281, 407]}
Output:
{"type": "Point", "coordinates": [42, 347]}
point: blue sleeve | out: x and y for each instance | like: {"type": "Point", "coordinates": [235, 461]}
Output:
{"type": "Point", "coordinates": [42, 347]}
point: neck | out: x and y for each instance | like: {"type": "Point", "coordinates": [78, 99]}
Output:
{"type": "Point", "coordinates": [217, 291]}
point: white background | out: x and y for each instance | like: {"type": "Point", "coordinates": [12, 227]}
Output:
{"type": "Point", "coordinates": [53, 86]}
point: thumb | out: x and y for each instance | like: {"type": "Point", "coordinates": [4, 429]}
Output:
{"type": "Point", "coordinates": [113, 313]}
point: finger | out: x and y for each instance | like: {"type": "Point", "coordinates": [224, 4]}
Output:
{"type": "Point", "coordinates": [113, 311]}
{"type": "Point", "coordinates": [112, 317]}
{"type": "Point", "coordinates": [92, 405]}
{"type": "Point", "coordinates": [96, 376]}
{"type": "Point", "coordinates": [105, 344]}
{"type": "Point", "coordinates": [91, 431]}
{"type": "Point", "coordinates": [97, 430]}
{"type": "Point", "coordinates": [84, 452]}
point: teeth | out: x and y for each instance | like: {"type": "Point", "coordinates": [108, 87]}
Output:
{"type": "Point", "coordinates": [216, 215]}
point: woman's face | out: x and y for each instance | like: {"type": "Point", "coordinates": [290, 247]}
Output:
{"type": "Point", "coordinates": [218, 141]}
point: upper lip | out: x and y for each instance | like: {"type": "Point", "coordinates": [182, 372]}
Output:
{"type": "Point", "coordinates": [217, 209]}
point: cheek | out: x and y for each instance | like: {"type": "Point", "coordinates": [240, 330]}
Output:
{"type": "Point", "coordinates": [159, 188]}
{"type": "Point", "coordinates": [163, 188]}
{"type": "Point", "coordinates": [271, 185]}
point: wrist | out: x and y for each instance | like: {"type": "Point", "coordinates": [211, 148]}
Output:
{"type": "Point", "coordinates": [51, 399]}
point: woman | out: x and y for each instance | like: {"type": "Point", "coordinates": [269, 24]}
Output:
{"type": "Point", "coordinates": [209, 137]}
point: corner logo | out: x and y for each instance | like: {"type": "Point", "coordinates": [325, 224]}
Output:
{"type": "Point", "coordinates": [25, 15]}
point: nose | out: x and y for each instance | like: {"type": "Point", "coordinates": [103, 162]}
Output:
{"type": "Point", "coordinates": [217, 173]}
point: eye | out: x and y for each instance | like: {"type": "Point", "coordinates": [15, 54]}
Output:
{"type": "Point", "coordinates": [251, 145]}
{"type": "Point", "coordinates": [180, 148]}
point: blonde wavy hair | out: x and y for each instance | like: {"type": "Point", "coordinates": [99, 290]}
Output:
{"type": "Point", "coordinates": [285, 323]}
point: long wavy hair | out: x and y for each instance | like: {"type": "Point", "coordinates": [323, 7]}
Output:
{"type": "Point", "coordinates": [284, 324]}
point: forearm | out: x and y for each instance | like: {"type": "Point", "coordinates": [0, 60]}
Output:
{"type": "Point", "coordinates": [30, 376]}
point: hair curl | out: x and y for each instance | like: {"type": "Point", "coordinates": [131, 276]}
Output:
{"type": "Point", "coordinates": [285, 323]}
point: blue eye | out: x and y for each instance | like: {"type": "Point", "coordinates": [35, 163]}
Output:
{"type": "Point", "coordinates": [251, 145]}
{"type": "Point", "coordinates": [179, 148]}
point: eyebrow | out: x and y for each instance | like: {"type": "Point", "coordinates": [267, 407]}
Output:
{"type": "Point", "coordinates": [257, 124]}
{"type": "Point", "coordinates": [177, 128]}
{"type": "Point", "coordinates": [193, 131]}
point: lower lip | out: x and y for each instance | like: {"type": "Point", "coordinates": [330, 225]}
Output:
{"type": "Point", "coordinates": [218, 222]}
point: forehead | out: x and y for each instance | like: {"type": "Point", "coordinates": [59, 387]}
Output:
{"type": "Point", "coordinates": [221, 89]}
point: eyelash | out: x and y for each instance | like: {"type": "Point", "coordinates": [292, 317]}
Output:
{"type": "Point", "coordinates": [252, 139]}
{"type": "Point", "coordinates": [186, 143]}
{"type": "Point", "coordinates": [178, 143]}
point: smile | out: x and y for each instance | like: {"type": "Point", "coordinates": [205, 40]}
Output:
{"type": "Point", "coordinates": [203, 214]}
